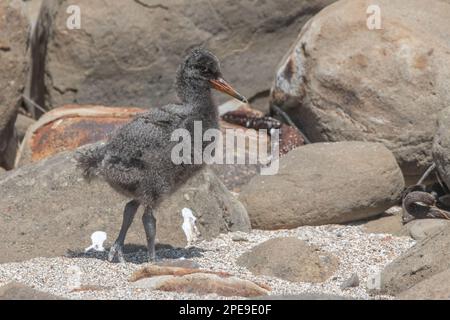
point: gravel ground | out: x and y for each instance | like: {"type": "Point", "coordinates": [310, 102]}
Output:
{"type": "Point", "coordinates": [358, 252]}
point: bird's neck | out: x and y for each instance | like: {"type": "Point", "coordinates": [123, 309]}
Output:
{"type": "Point", "coordinates": [199, 98]}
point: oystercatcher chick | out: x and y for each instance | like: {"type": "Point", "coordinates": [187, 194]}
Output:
{"type": "Point", "coordinates": [136, 160]}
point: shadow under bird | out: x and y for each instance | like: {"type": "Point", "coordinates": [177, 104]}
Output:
{"type": "Point", "coordinates": [136, 160]}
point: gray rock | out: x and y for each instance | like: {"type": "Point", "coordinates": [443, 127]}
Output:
{"type": "Point", "coordinates": [325, 183]}
{"type": "Point", "coordinates": [441, 146]}
{"type": "Point", "coordinates": [13, 64]}
{"type": "Point", "coordinates": [128, 52]}
{"type": "Point", "coordinates": [239, 237]}
{"type": "Point", "coordinates": [424, 228]}
{"type": "Point", "coordinates": [351, 282]}
{"type": "Point", "coordinates": [337, 86]}
{"type": "Point", "coordinates": [289, 259]}
{"type": "Point", "coordinates": [18, 291]}
{"type": "Point", "coordinates": [426, 259]}
{"type": "Point", "coordinates": [435, 288]}
{"type": "Point", "coordinates": [47, 209]}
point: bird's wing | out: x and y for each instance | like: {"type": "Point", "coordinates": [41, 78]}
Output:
{"type": "Point", "coordinates": [146, 138]}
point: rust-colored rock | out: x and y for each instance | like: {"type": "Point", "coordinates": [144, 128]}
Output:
{"type": "Point", "coordinates": [290, 137]}
{"type": "Point", "coordinates": [204, 283]}
{"type": "Point", "coordinates": [175, 279]}
{"type": "Point", "coordinates": [155, 270]}
{"type": "Point", "coordinates": [70, 127]}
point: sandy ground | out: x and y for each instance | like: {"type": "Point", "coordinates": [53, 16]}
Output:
{"type": "Point", "coordinates": [358, 252]}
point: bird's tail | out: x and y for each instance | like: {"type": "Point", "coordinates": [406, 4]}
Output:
{"type": "Point", "coordinates": [89, 159]}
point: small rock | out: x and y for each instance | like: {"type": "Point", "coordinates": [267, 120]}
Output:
{"type": "Point", "coordinates": [290, 259]}
{"type": "Point", "coordinates": [424, 228]}
{"type": "Point", "coordinates": [18, 291]}
{"type": "Point", "coordinates": [203, 283]}
{"type": "Point", "coordinates": [395, 210]}
{"type": "Point", "coordinates": [239, 237]}
{"type": "Point", "coordinates": [351, 282]}
{"type": "Point", "coordinates": [389, 224]}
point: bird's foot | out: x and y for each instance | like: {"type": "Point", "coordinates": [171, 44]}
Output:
{"type": "Point", "coordinates": [151, 257]}
{"type": "Point", "coordinates": [116, 249]}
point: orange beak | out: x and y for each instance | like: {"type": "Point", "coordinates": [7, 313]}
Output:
{"type": "Point", "coordinates": [221, 85]}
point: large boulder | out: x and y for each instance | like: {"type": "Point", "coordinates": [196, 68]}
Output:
{"type": "Point", "coordinates": [426, 259]}
{"type": "Point", "coordinates": [435, 288]}
{"type": "Point", "coordinates": [47, 209]}
{"type": "Point", "coordinates": [127, 52]}
{"type": "Point", "coordinates": [325, 183]}
{"type": "Point", "coordinates": [441, 146]}
{"type": "Point", "coordinates": [344, 81]}
{"type": "Point", "coordinates": [13, 43]}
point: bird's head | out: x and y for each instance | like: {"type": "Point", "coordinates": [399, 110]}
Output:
{"type": "Point", "coordinates": [201, 69]}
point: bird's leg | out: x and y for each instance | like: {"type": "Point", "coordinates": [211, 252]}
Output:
{"type": "Point", "coordinates": [128, 215]}
{"type": "Point", "coordinates": [149, 222]}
